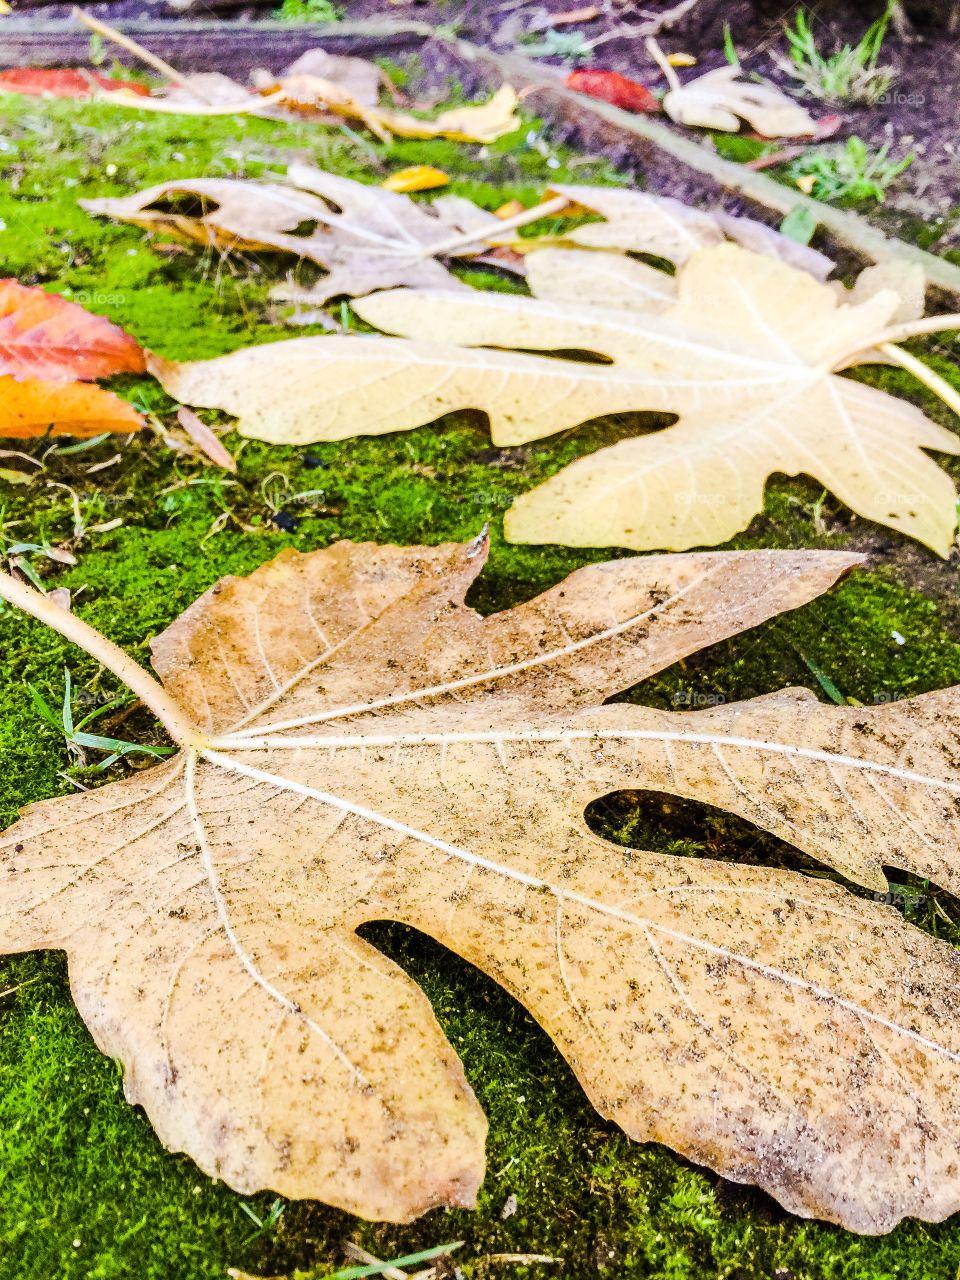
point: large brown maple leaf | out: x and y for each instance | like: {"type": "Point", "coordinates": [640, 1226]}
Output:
{"type": "Point", "coordinates": [359, 745]}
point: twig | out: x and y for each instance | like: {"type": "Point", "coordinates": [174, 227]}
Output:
{"type": "Point", "coordinates": [520, 1259]}
{"type": "Point", "coordinates": [151, 59]}
{"type": "Point", "coordinates": [668, 20]}
{"type": "Point", "coordinates": [252, 105]}
{"type": "Point", "coordinates": [10, 990]}
{"type": "Point", "coordinates": [654, 24]}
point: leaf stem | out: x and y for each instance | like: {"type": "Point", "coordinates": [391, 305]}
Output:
{"type": "Point", "coordinates": [464, 238]}
{"type": "Point", "coordinates": [655, 52]}
{"type": "Point", "coordinates": [148, 690]}
{"type": "Point", "coordinates": [913, 329]}
{"type": "Point", "coordinates": [923, 373]}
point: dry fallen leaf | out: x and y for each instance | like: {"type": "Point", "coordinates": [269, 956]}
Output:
{"type": "Point", "coordinates": [45, 336]}
{"type": "Point", "coordinates": [366, 237]}
{"type": "Point", "coordinates": [637, 222]}
{"type": "Point", "coordinates": [612, 87]}
{"type": "Point", "coordinates": [206, 440]}
{"type": "Point", "coordinates": [313, 93]}
{"type": "Point", "coordinates": [354, 80]}
{"type": "Point", "coordinates": [575, 275]}
{"type": "Point", "coordinates": [359, 78]}
{"type": "Point", "coordinates": [744, 356]}
{"type": "Point", "coordinates": [905, 278]}
{"type": "Point", "coordinates": [767, 1024]}
{"type": "Point", "coordinates": [205, 89]}
{"type": "Point", "coordinates": [720, 100]}
{"type": "Point", "coordinates": [483, 123]}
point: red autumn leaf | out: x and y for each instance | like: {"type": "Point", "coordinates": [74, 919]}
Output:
{"type": "Point", "coordinates": [44, 336]}
{"type": "Point", "coordinates": [62, 82]}
{"type": "Point", "coordinates": [614, 88]}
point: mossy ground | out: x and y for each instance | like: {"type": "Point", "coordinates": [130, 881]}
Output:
{"type": "Point", "coordinates": [86, 1191]}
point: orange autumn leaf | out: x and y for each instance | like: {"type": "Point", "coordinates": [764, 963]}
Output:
{"type": "Point", "coordinates": [29, 407]}
{"type": "Point", "coordinates": [45, 336]}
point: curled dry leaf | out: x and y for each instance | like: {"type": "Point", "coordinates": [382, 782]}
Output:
{"type": "Point", "coordinates": [213, 93]}
{"type": "Point", "coordinates": [720, 100]}
{"type": "Point", "coordinates": [358, 78]}
{"type": "Point", "coordinates": [767, 1024]}
{"type": "Point", "coordinates": [745, 357]}
{"type": "Point", "coordinates": [205, 89]}
{"type": "Point", "coordinates": [366, 237]}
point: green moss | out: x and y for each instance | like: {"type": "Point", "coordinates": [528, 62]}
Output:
{"type": "Point", "coordinates": [76, 1163]}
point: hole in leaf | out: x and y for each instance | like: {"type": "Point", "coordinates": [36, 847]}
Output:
{"type": "Point", "coordinates": [305, 229]}
{"type": "Point", "coordinates": [657, 822]}
{"type": "Point", "coordinates": [582, 356]}
{"type": "Point", "coordinates": [183, 204]}
{"type": "Point", "coordinates": [330, 204]}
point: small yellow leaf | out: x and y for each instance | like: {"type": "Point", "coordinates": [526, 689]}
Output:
{"type": "Point", "coordinates": [417, 177]}
{"type": "Point", "coordinates": [681, 60]}
{"type": "Point", "coordinates": [484, 123]}
{"type": "Point", "coordinates": [509, 210]}
{"type": "Point", "coordinates": [806, 183]}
